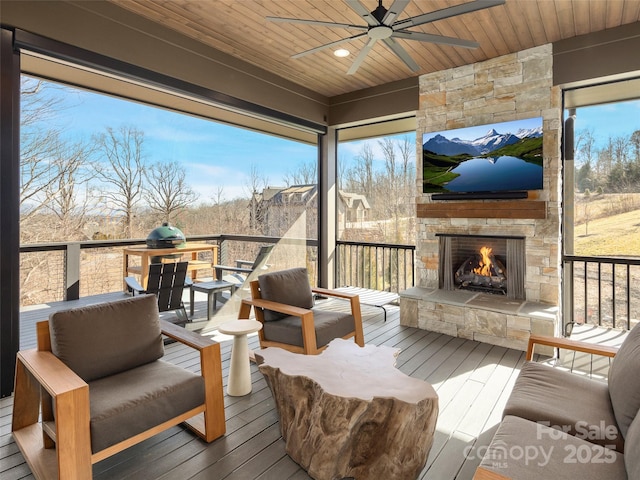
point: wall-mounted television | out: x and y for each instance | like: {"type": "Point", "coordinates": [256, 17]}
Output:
{"type": "Point", "coordinates": [499, 157]}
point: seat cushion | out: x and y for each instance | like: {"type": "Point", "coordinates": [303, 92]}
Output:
{"type": "Point", "coordinates": [624, 381]}
{"type": "Point", "coordinates": [523, 450]}
{"type": "Point", "coordinates": [136, 400]}
{"type": "Point", "coordinates": [576, 404]}
{"type": "Point", "coordinates": [290, 287]}
{"type": "Point", "coordinates": [108, 338]}
{"type": "Point", "coordinates": [328, 325]}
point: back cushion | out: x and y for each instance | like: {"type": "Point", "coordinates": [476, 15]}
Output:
{"type": "Point", "coordinates": [109, 338]}
{"type": "Point", "coordinates": [290, 287]}
{"type": "Point", "coordinates": [624, 381]}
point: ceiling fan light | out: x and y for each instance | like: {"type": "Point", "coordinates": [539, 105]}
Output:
{"type": "Point", "coordinates": [342, 52]}
{"type": "Point", "coordinates": [380, 32]}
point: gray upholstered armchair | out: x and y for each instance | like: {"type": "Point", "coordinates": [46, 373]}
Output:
{"type": "Point", "coordinates": [96, 385]}
{"type": "Point", "coordinates": [284, 303]}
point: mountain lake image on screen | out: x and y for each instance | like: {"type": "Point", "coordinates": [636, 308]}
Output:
{"type": "Point", "coordinates": [498, 157]}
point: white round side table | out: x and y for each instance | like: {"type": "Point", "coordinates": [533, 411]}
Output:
{"type": "Point", "coordinates": [239, 382]}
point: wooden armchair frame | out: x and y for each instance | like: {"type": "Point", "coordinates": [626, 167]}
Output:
{"type": "Point", "coordinates": [61, 449]}
{"type": "Point", "coordinates": [568, 344]}
{"type": "Point", "coordinates": [308, 330]}
{"type": "Point", "coordinates": [555, 342]}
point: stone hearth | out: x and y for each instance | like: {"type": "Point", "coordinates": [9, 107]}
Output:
{"type": "Point", "coordinates": [477, 316]}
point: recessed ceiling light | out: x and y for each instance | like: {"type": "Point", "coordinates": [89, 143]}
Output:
{"type": "Point", "coordinates": [341, 52]}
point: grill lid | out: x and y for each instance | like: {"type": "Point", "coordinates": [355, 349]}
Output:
{"type": "Point", "coordinates": [165, 236]}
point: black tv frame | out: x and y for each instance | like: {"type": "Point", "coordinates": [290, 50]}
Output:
{"type": "Point", "coordinates": [489, 195]}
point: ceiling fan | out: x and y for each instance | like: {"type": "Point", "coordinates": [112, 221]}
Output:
{"type": "Point", "coordinates": [382, 25]}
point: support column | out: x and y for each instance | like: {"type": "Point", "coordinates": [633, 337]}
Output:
{"type": "Point", "coordinates": [568, 221]}
{"type": "Point", "coordinates": [328, 192]}
{"type": "Point", "coordinates": [9, 210]}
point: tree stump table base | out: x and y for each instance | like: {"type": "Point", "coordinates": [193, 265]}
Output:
{"type": "Point", "coordinates": [349, 413]}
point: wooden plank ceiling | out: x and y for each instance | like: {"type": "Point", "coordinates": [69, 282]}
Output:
{"type": "Point", "coordinates": [239, 28]}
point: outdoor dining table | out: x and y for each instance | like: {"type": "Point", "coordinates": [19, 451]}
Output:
{"type": "Point", "coordinates": [145, 253]}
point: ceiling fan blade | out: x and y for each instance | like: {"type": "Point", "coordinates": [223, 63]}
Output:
{"type": "Point", "coordinates": [361, 10]}
{"type": "Point", "coordinates": [316, 22]}
{"type": "Point", "coordinates": [441, 39]}
{"type": "Point", "coordinates": [447, 12]}
{"type": "Point", "coordinates": [395, 9]}
{"type": "Point", "coordinates": [361, 56]}
{"type": "Point", "coordinates": [328, 45]}
{"type": "Point", "coordinates": [401, 53]}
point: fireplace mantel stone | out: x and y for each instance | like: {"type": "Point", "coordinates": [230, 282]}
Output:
{"type": "Point", "coordinates": [505, 88]}
{"type": "Point", "coordinates": [483, 317]}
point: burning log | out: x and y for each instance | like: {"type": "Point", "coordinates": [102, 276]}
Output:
{"type": "Point", "coordinates": [482, 271]}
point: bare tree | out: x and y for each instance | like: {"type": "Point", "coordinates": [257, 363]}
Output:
{"type": "Point", "coordinates": [407, 149]}
{"type": "Point", "coordinates": [39, 143]}
{"type": "Point", "coordinates": [305, 174]}
{"type": "Point", "coordinates": [635, 143]}
{"type": "Point", "coordinates": [52, 168]}
{"type": "Point", "coordinates": [360, 177]}
{"type": "Point", "coordinates": [256, 183]}
{"type": "Point", "coordinates": [166, 190]}
{"type": "Point", "coordinates": [390, 183]}
{"type": "Point", "coordinates": [585, 143]}
{"type": "Point", "coordinates": [68, 202]}
{"type": "Point", "coordinates": [218, 196]}
{"type": "Point", "coordinates": [621, 149]}
{"type": "Point", "coordinates": [122, 170]}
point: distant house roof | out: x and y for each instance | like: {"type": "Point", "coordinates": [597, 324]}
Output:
{"type": "Point", "coordinates": [295, 195]}
{"type": "Point", "coordinates": [351, 199]}
{"type": "Point", "coordinates": [303, 194]}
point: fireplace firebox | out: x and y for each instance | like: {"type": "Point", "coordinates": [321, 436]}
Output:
{"type": "Point", "coordinates": [482, 263]}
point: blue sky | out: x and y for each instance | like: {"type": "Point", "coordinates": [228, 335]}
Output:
{"type": "Point", "coordinates": [213, 154]}
{"type": "Point", "coordinates": [609, 120]}
{"type": "Point", "coordinates": [217, 155]}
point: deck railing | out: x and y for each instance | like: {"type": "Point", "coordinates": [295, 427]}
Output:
{"type": "Point", "coordinates": [68, 271]}
{"type": "Point", "coordinates": [602, 291]}
{"type": "Point", "coordinates": [379, 266]}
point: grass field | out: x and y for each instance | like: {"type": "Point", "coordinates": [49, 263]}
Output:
{"type": "Point", "coordinates": [615, 235]}
{"type": "Point", "coordinates": [613, 228]}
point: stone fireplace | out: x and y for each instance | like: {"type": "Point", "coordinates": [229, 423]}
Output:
{"type": "Point", "coordinates": [482, 263]}
{"type": "Point", "coordinates": [524, 233]}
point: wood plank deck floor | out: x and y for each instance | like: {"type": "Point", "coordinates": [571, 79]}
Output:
{"type": "Point", "coordinates": [473, 381]}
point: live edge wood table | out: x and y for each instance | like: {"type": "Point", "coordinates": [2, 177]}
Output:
{"type": "Point", "coordinates": [145, 253]}
{"type": "Point", "coordinates": [349, 412]}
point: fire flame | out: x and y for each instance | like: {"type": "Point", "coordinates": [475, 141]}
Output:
{"type": "Point", "coordinates": [484, 268]}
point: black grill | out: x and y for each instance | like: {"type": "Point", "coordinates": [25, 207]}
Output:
{"type": "Point", "coordinates": [165, 236]}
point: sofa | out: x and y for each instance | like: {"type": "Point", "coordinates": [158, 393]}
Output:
{"type": "Point", "coordinates": [561, 425]}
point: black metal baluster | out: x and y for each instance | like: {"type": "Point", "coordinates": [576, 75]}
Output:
{"type": "Point", "coordinates": [599, 293]}
{"type": "Point", "coordinates": [613, 293]}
